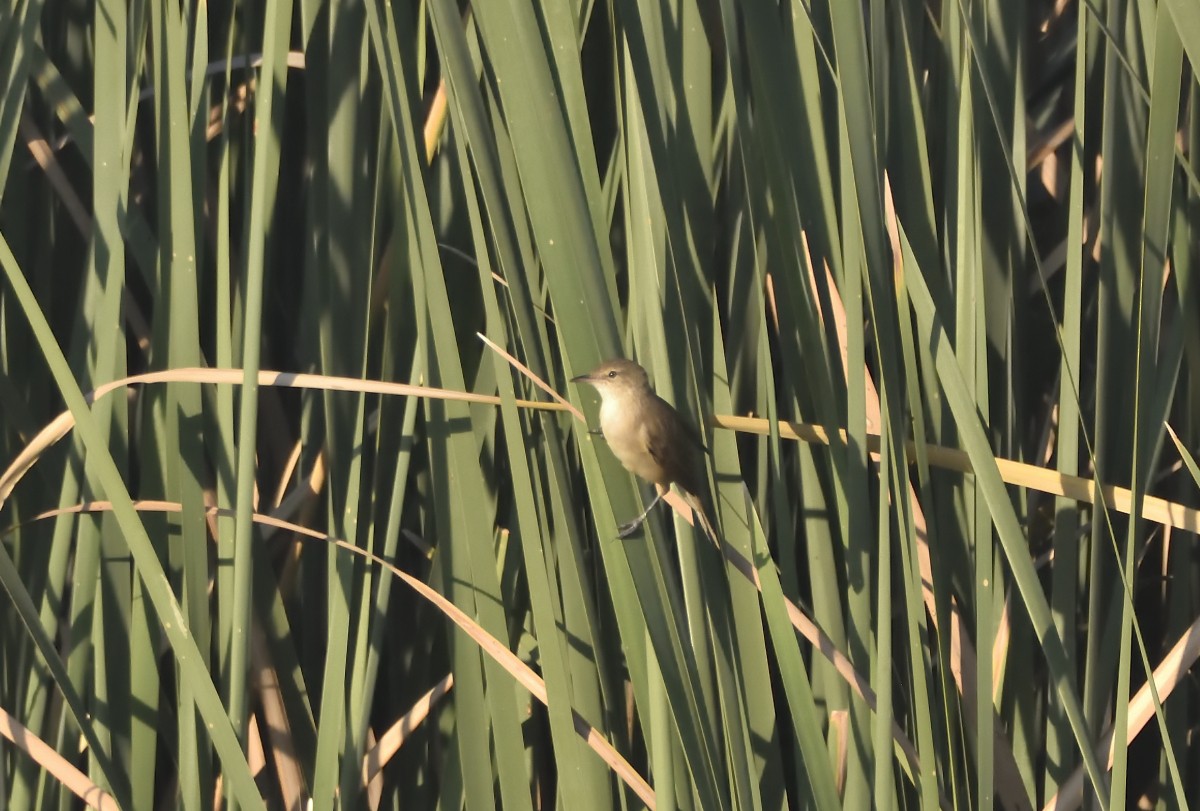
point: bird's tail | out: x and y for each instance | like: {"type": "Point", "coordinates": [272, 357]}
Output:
{"type": "Point", "coordinates": [702, 515]}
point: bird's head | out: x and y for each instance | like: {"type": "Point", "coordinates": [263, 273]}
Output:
{"type": "Point", "coordinates": [615, 378]}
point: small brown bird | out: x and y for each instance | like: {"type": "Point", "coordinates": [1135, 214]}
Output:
{"type": "Point", "coordinates": [648, 436]}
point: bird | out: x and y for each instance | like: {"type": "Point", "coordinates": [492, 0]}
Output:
{"type": "Point", "coordinates": [649, 437]}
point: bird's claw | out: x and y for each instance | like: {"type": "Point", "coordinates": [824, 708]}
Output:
{"type": "Point", "coordinates": [625, 530]}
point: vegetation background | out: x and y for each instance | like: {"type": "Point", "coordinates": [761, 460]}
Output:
{"type": "Point", "coordinates": [960, 235]}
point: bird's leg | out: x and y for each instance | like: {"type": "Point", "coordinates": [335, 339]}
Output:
{"type": "Point", "coordinates": [627, 529]}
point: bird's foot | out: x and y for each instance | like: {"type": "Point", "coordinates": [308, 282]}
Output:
{"type": "Point", "coordinates": [627, 529]}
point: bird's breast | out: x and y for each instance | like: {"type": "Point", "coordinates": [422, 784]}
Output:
{"type": "Point", "coordinates": [626, 437]}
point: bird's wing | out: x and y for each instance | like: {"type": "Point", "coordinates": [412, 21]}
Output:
{"type": "Point", "coordinates": [661, 435]}
{"type": "Point", "coordinates": [658, 449]}
{"type": "Point", "coordinates": [692, 433]}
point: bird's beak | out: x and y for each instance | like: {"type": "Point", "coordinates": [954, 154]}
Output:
{"type": "Point", "coordinates": [582, 378]}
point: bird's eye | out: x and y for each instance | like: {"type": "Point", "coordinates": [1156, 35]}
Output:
{"type": "Point", "coordinates": [612, 373]}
